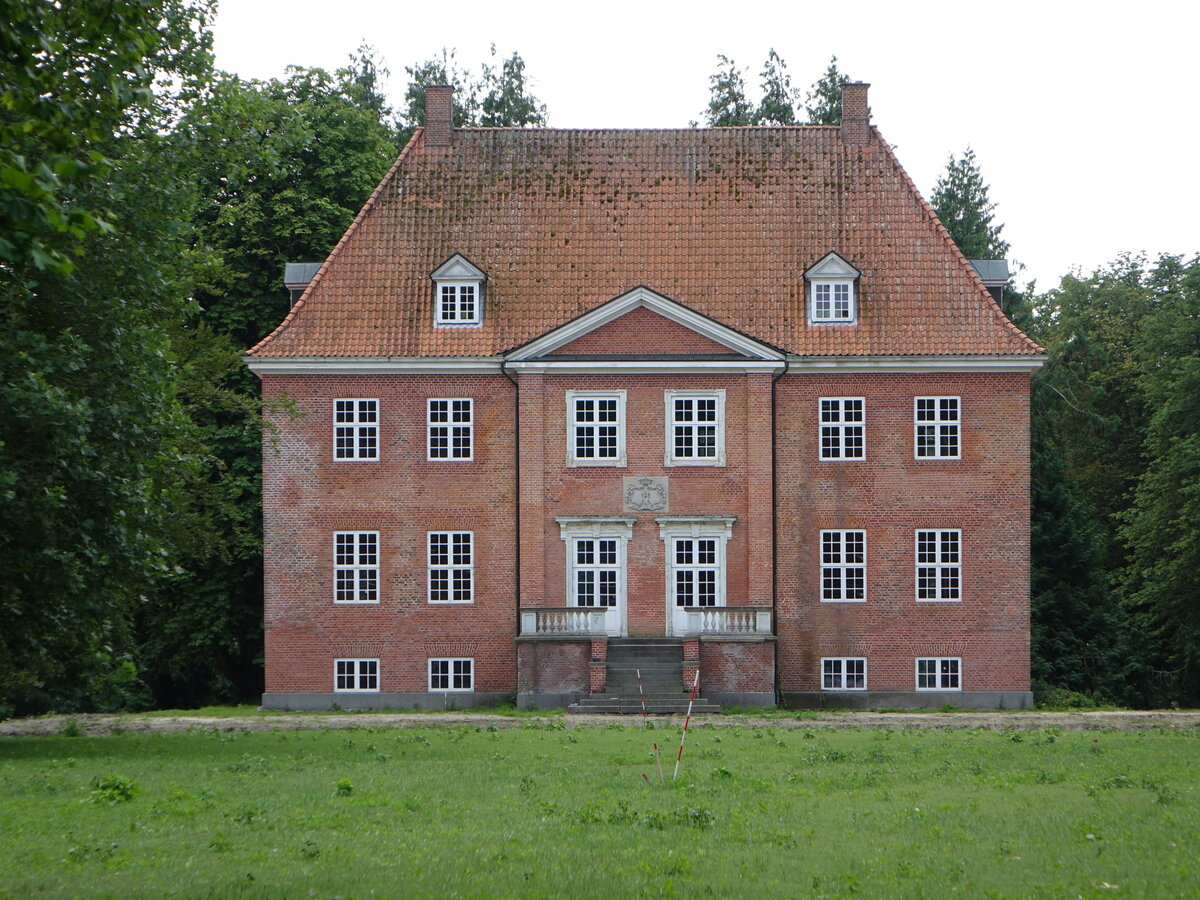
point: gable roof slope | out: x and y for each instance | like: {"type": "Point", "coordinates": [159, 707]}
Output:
{"type": "Point", "coordinates": [724, 219]}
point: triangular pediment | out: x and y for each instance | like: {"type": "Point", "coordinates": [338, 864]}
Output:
{"type": "Point", "coordinates": [458, 268]}
{"type": "Point", "coordinates": [704, 336]}
{"type": "Point", "coordinates": [831, 265]}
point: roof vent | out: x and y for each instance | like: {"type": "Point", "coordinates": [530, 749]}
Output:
{"type": "Point", "coordinates": [856, 126]}
{"type": "Point", "coordinates": [439, 114]}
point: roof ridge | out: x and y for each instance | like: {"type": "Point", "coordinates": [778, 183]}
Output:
{"type": "Point", "coordinates": [333, 254]}
{"type": "Point", "coordinates": [945, 235]}
{"type": "Point", "coordinates": [685, 128]}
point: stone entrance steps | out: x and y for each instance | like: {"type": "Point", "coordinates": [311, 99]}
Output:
{"type": "Point", "coordinates": [660, 663]}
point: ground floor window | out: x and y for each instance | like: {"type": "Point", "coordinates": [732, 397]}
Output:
{"type": "Point", "coordinates": [356, 675]}
{"type": "Point", "coordinates": [939, 674]}
{"type": "Point", "coordinates": [451, 675]}
{"type": "Point", "coordinates": [843, 673]}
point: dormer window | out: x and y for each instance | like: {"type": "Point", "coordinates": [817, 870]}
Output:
{"type": "Point", "coordinates": [832, 292]}
{"type": "Point", "coordinates": [458, 292]}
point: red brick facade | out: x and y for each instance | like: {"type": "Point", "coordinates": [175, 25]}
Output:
{"type": "Point", "coordinates": [534, 504]}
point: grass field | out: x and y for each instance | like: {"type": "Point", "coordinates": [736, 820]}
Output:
{"type": "Point", "coordinates": [538, 810]}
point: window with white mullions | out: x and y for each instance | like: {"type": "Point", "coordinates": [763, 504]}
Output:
{"type": "Point", "coordinates": [450, 429]}
{"type": "Point", "coordinates": [451, 674]}
{"type": "Point", "coordinates": [842, 427]}
{"type": "Point", "coordinates": [356, 675]}
{"type": "Point", "coordinates": [843, 566]}
{"type": "Point", "coordinates": [597, 572]}
{"type": "Point", "coordinates": [697, 569]}
{"type": "Point", "coordinates": [356, 566]}
{"type": "Point", "coordinates": [597, 428]}
{"type": "Point", "coordinates": [939, 565]}
{"type": "Point", "coordinates": [451, 567]}
{"type": "Point", "coordinates": [355, 429]}
{"type": "Point", "coordinates": [937, 424]}
{"type": "Point", "coordinates": [843, 674]}
{"type": "Point", "coordinates": [831, 302]}
{"type": "Point", "coordinates": [457, 304]}
{"type": "Point", "coordinates": [939, 674]}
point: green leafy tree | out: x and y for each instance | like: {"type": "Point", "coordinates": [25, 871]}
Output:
{"type": "Point", "coordinates": [95, 261]}
{"type": "Point", "coordinates": [1161, 582]}
{"type": "Point", "coordinates": [824, 102]}
{"type": "Point", "coordinates": [960, 199]}
{"type": "Point", "coordinates": [727, 104]}
{"type": "Point", "coordinates": [506, 97]}
{"type": "Point", "coordinates": [443, 69]}
{"type": "Point", "coordinates": [777, 106]}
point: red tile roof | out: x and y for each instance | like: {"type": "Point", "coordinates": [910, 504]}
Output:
{"type": "Point", "coordinates": [722, 220]}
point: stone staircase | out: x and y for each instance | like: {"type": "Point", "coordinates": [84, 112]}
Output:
{"type": "Point", "coordinates": [660, 660]}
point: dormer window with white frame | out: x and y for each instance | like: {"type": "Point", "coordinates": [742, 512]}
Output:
{"type": "Point", "coordinates": [458, 292]}
{"type": "Point", "coordinates": [832, 289]}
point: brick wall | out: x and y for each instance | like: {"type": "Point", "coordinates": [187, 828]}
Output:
{"type": "Point", "coordinates": [737, 666]}
{"type": "Point", "coordinates": [890, 494]}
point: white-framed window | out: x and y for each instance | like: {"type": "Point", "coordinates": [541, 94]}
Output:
{"type": "Point", "coordinates": [695, 428]}
{"type": "Point", "coordinates": [356, 429]}
{"type": "Point", "coordinates": [939, 673]}
{"type": "Point", "coordinates": [358, 675]}
{"type": "Point", "coordinates": [356, 567]}
{"type": "Point", "coordinates": [452, 674]}
{"type": "Point", "coordinates": [843, 425]}
{"type": "Point", "coordinates": [939, 564]}
{"type": "Point", "coordinates": [458, 292]}
{"type": "Point", "coordinates": [451, 567]}
{"type": "Point", "coordinates": [458, 303]}
{"type": "Point", "coordinates": [596, 428]}
{"type": "Point", "coordinates": [841, 673]}
{"type": "Point", "coordinates": [695, 552]}
{"type": "Point", "coordinates": [596, 553]}
{"type": "Point", "coordinates": [832, 292]}
{"type": "Point", "coordinates": [450, 422]}
{"type": "Point", "coordinates": [844, 566]}
{"type": "Point", "coordinates": [937, 427]}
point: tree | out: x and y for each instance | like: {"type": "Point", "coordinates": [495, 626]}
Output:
{"type": "Point", "coordinates": [506, 97]}
{"type": "Point", "coordinates": [440, 70]}
{"type": "Point", "coordinates": [94, 262]}
{"type": "Point", "coordinates": [1161, 581]}
{"type": "Point", "coordinates": [824, 102]}
{"type": "Point", "coordinates": [776, 106]}
{"type": "Point", "coordinates": [960, 199]}
{"type": "Point", "coordinates": [727, 104]}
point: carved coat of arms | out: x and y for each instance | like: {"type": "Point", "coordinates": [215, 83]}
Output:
{"type": "Point", "coordinates": [646, 494]}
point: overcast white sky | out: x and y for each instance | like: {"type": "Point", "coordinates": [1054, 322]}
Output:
{"type": "Point", "coordinates": [1084, 116]}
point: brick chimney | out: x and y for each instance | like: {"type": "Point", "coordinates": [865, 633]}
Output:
{"type": "Point", "coordinates": [856, 127]}
{"type": "Point", "coordinates": [439, 115]}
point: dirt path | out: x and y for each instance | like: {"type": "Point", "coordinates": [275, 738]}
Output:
{"type": "Point", "coordinates": [95, 724]}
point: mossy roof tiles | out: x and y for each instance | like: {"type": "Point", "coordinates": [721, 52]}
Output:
{"type": "Point", "coordinates": [723, 220]}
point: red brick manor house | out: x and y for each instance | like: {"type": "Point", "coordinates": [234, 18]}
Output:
{"type": "Point", "coordinates": [570, 405]}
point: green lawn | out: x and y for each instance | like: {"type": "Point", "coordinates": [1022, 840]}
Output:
{"type": "Point", "coordinates": [541, 811]}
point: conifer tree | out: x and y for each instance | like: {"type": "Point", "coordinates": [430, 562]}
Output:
{"type": "Point", "coordinates": [960, 199]}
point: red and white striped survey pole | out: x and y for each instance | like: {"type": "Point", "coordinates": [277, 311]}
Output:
{"type": "Point", "coordinates": [641, 694]}
{"type": "Point", "coordinates": [683, 737]}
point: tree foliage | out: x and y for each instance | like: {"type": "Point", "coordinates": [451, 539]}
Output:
{"type": "Point", "coordinates": [824, 102]}
{"type": "Point", "coordinates": [960, 199]}
{"type": "Point", "coordinates": [777, 106]}
{"type": "Point", "coordinates": [727, 103]}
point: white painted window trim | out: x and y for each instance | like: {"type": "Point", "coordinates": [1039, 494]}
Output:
{"type": "Point", "coordinates": [358, 568]}
{"type": "Point", "coordinates": [842, 566]}
{"type": "Point", "coordinates": [359, 669]}
{"type": "Point", "coordinates": [957, 674]}
{"type": "Point", "coordinates": [672, 528]}
{"type": "Point", "coordinates": [838, 427]}
{"type": "Point", "coordinates": [615, 528]}
{"type": "Point", "coordinates": [452, 662]}
{"type": "Point", "coordinates": [937, 424]}
{"type": "Point", "coordinates": [942, 568]}
{"type": "Point", "coordinates": [832, 283]}
{"type": "Point", "coordinates": [842, 674]}
{"type": "Point", "coordinates": [356, 430]}
{"type": "Point", "coordinates": [449, 426]}
{"type": "Point", "coordinates": [450, 567]}
{"type": "Point", "coordinates": [669, 457]}
{"type": "Point", "coordinates": [439, 318]}
{"type": "Point", "coordinates": [619, 461]}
